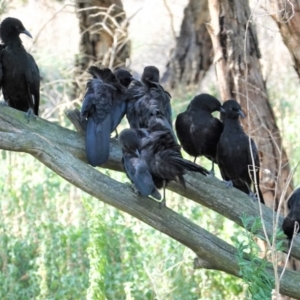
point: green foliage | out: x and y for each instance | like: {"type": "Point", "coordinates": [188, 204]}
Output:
{"type": "Point", "coordinates": [43, 235]}
{"type": "Point", "coordinates": [130, 260]}
{"type": "Point", "coordinates": [253, 269]}
{"type": "Point", "coordinates": [50, 249]}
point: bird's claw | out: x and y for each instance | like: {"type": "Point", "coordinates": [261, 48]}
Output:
{"type": "Point", "coordinates": [162, 204]}
{"type": "Point", "coordinates": [253, 196]}
{"type": "Point", "coordinates": [29, 115]}
{"type": "Point", "coordinates": [132, 186]}
{"type": "Point", "coordinates": [211, 174]}
{"type": "Point", "coordinates": [228, 183]}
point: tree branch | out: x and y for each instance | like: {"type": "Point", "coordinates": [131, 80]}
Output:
{"type": "Point", "coordinates": [63, 151]}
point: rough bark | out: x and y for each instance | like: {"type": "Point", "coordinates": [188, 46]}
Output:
{"type": "Point", "coordinates": [287, 16]}
{"type": "Point", "coordinates": [63, 151]}
{"type": "Point", "coordinates": [104, 37]}
{"type": "Point", "coordinates": [239, 74]}
{"type": "Point", "coordinates": [192, 55]}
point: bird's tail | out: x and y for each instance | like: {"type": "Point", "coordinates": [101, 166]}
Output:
{"type": "Point", "coordinates": [188, 165]}
{"type": "Point", "coordinates": [257, 191]}
{"type": "Point", "coordinates": [98, 141]}
{"type": "Point", "coordinates": [156, 194]}
{"type": "Point", "coordinates": [261, 198]}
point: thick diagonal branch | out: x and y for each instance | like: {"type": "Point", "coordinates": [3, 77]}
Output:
{"type": "Point", "coordinates": [62, 150]}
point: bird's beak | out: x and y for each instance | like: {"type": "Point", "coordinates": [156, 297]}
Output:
{"type": "Point", "coordinates": [241, 113]}
{"type": "Point", "coordinates": [27, 33]}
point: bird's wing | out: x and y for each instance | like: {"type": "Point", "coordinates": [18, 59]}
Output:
{"type": "Point", "coordinates": [118, 109]}
{"type": "Point", "coordinates": [86, 105]}
{"type": "Point", "coordinates": [183, 129]}
{"type": "Point", "coordinates": [221, 156]}
{"type": "Point", "coordinates": [33, 82]}
{"type": "Point", "coordinates": [106, 76]}
{"type": "Point", "coordinates": [143, 180]}
{"type": "Point", "coordinates": [138, 173]}
{"type": "Point", "coordinates": [167, 106]}
{"type": "Point", "coordinates": [165, 98]}
{"type": "Point", "coordinates": [2, 46]}
{"type": "Point", "coordinates": [135, 92]}
{"type": "Point", "coordinates": [97, 101]}
{"type": "Point", "coordinates": [101, 73]}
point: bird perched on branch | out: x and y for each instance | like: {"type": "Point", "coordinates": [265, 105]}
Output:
{"type": "Point", "coordinates": [237, 155]}
{"type": "Point", "coordinates": [20, 80]}
{"type": "Point", "coordinates": [293, 215]}
{"type": "Point", "coordinates": [104, 106]}
{"type": "Point", "coordinates": [148, 100]}
{"type": "Point", "coordinates": [163, 157]}
{"type": "Point", "coordinates": [135, 166]}
{"type": "Point", "coordinates": [197, 130]}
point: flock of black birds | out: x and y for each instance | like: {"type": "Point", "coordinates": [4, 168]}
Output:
{"type": "Point", "coordinates": [151, 153]}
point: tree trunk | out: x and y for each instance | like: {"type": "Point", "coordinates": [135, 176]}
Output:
{"type": "Point", "coordinates": [239, 74]}
{"type": "Point", "coordinates": [287, 16]}
{"type": "Point", "coordinates": [191, 57]}
{"type": "Point", "coordinates": [104, 37]}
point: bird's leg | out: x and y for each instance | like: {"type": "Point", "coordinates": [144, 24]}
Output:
{"type": "Point", "coordinates": [30, 114]}
{"type": "Point", "coordinates": [135, 189]}
{"type": "Point", "coordinates": [251, 194]}
{"type": "Point", "coordinates": [195, 159]}
{"type": "Point", "coordinates": [228, 183]}
{"type": "Point", "coordinates": [212, 171]}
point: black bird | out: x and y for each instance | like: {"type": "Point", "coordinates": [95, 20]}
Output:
{"type": "Point", "coordinates": [293, 215]}
{"type": "Point", "coordinates": [234, 153]}
{"type": "Point", "coordinates": [147, 100]}
{"type": "Point", "coordinates": [20, 80]}
{"type": "Point", "coordinates": [197, 130]}
{"type": "Point", "coordinates": [104, 106]}
{"type": "Point", "coordinates": [134, 165]}
{"type": "Point", "coordinates": [163, 157]}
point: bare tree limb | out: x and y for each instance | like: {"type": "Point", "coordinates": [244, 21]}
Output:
{"type": "Point", "coordinates": [287, 17]}
{"type": "Point", "coordinates": [63, 151]}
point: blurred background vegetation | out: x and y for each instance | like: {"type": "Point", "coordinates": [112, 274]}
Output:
{"type": "Point", "coordinates": [56, 242]}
